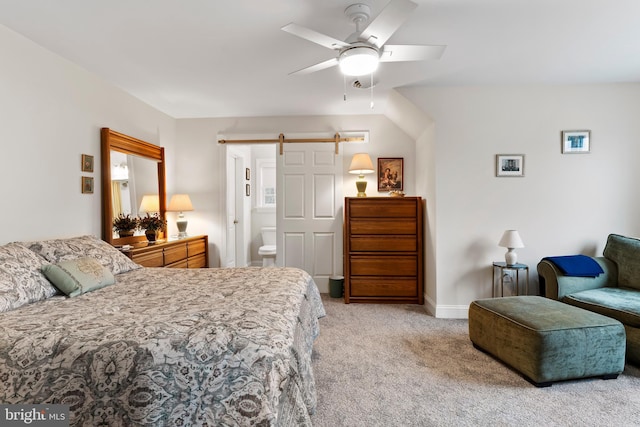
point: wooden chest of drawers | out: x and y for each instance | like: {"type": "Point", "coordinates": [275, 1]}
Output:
{"type": "Point", "coordinates": [190, 252]}
{"type": "Point", "coordinates": [383, 250]}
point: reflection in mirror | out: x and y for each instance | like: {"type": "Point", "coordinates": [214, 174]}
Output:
{"type": "Point", "coordinates": [133, 179]}
{"type": "Point", "coordinates": [131, 169]}
{"type": "Point", "coordinates": [120, 189]}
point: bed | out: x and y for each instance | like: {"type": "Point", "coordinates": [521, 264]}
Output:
{"type": "Point", "coordinates": [228, 346]}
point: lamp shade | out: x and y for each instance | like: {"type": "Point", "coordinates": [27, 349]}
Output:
{"type": "Point", "coordinates": [361, 164]}
{"type": "Point", "coordinates": [180, 203]}
{"type": "Point", "coordinates": [511, 239]}
{"type": "Point", "coordinates": [150, 203]}
{"type": "Point", "coordinates": [359, 61]}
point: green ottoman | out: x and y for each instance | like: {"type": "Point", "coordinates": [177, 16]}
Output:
{"type": "Point", "coordinates": [547, 340]}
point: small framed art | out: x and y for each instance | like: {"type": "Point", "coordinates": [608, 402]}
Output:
{"type": "Point", "coordinates": [87, 185]}
{"type": "Point", "coordinates": [87, 163]}
{"type": "Point", "coordinates": [509, 165]}
{"type": "Point", "coordinates": [390, 173]}
{"type": "Point", "coordinates": [247, 174]}
{"type": "Point", "coordinates": [576, 141]}
{"type": "Point", "coordinates": [247, 190]}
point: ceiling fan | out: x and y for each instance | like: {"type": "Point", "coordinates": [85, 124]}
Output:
{"type": "Point", "coordinates": [363, 50]}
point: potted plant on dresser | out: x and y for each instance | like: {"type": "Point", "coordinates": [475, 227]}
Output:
{"type": "Point", "coordinates": [125, 225]}
{"type": "Point", "coordinates": [151, 224]}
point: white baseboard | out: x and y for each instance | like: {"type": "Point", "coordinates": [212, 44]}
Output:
{"type": "Point", "coordinates": [430, 306]}
{"type": "Point", "coordinates": [446, 311]}
{"type": "Point", "coordinates": [452, 312]}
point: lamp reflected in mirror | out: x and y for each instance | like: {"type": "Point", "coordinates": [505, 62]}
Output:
{"type": "Point", "coordinates": [150, 204]}
{"type": "Point", "coordinates": [180, 203]}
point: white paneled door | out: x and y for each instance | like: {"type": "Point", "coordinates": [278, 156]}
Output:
{"type": "Point", "coordinates": [309, 210]}
{"type": "Point", "coordinates": [232, 218]}
{"type": "Point", "coordinates": [238, 208]}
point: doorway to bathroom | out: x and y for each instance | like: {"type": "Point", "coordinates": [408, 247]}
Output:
{"type": "Point", "coordinates": [263, 212]}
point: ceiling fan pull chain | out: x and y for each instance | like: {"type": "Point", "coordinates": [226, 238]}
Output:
{"type": "Point", "coordinates": [344, 87]}
{"type": "Point", "coordinates": [372, 91]}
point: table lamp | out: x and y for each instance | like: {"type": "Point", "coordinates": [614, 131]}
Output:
{"type": "Point", "coordinates": [360, 165]}
{"type": "Point", "coordinates": [180, 203]}
{"type": "Point", "coordinates": [510, 240]}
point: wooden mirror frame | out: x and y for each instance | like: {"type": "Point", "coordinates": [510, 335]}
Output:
{"type": "Point", "coordinates": [112, 140]}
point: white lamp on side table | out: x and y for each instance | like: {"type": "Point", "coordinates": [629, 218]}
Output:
{"type": "Point", "coordinates": [180, 203]}
{"type": "Point", "coordinates": [511, 240]}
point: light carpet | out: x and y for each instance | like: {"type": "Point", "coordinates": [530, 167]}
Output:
{"type": "Point", "coordinates": [394, 365]}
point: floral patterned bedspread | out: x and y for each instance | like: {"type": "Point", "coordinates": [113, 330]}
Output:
{"type": "Point", "coordinates": [170, 347]}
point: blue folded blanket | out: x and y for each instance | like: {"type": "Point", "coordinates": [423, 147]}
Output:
{"type": "Point", "coordinates": [576, 265]}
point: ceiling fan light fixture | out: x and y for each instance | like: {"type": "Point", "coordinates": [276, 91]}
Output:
{"type": "Point", "coordinates": [359, 61]}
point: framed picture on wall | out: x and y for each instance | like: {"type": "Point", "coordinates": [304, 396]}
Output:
{"type": "Point", "coordinates": [87, 163]}
{"type": "Point", "coordinates": [390, 173]}
{"type": "Point", "coordinates": [509, 164]}
{"type": "Point", "coordinates": [247, 174]}
{"type": "Point", "coordinates": [576, 141]}
{"type": "Point", "coordinates": [87, 185]}
{"type": "Point", "coordinates": [247, 190]}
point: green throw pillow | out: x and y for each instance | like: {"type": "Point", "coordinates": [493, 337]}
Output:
{"type": "Point", "coordinates": [78, 276]}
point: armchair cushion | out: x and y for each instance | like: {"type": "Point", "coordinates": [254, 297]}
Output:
{"type": "Point", "coordinates": [625, 252]}
{"type": "Point", "coordinates": [622, 304]}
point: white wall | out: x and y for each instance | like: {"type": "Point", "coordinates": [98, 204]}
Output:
{"type": "Point", "coordinates": [200, 165]}
{"type": "Point", "coordinates": [566, 203]}
{"type": "Point", "coordinates": [52, 112]}
{"type": "Point", "coordinates": [420, 127]}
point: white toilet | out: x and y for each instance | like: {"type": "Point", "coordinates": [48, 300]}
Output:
{"type": "Point", "coordinates": [268, 249]}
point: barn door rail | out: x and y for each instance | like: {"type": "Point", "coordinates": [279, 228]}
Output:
{"type": "Point", "coordinates": [337, 139]}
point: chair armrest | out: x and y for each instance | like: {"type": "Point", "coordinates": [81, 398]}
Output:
{"type": "Point", "coordinates": [556, 285]}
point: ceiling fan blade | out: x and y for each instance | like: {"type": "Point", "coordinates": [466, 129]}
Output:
{"type": "Point", "coordinates": [405, 52]}
{"type": "Point", "coordinates": [314, 36]}
{"type": "Point", "coordinates": [387, 22]}
{"type": "Point", "coordinates": [317, 67]}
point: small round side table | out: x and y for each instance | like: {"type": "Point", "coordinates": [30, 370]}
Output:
{"type": "Point", "coordinates": [502, 267]}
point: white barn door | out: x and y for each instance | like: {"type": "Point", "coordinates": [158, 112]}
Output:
{"type": "Point", "coordinates": [309, 210]}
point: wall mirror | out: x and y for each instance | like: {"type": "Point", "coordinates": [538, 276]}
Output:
{"type": "Point", "coordinates": [131, 170]}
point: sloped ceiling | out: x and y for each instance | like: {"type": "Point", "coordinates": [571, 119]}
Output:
{"type": "Point", "coordinates": [214, 58]}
